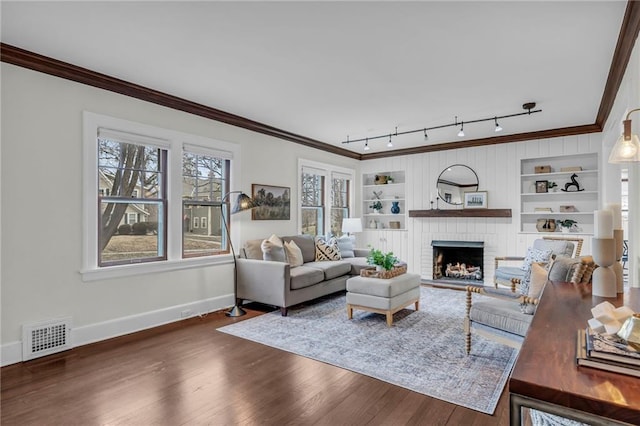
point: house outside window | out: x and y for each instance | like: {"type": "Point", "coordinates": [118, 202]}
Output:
{"type": "Point", "coordinates": [324, 185]}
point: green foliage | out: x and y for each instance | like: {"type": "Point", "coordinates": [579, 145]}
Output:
{"type": "Point", "coordinates": [566, 223]}
{"type": "Point", "coordinates": [139, 228]}
{"type": "Point", "coordinates": [124, 229]}
{"type": "Point", "coordinates": [378, 258]}
{"type": "Point", "coordinates": [376, 205]}
{"type": "Point", "coordinates": [551, 184]}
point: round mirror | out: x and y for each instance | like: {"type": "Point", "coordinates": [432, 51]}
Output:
{"type": "Point", "coordinates": [454, 181]}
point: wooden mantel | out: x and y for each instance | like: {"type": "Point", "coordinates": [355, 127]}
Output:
{"type": "Point", "coordinates": [461, 213]}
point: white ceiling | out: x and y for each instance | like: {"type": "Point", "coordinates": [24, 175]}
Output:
{"type": "Point", "coordinates": [328, 70]}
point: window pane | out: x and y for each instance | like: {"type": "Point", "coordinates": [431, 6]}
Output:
{"type": "Point", "coordinates": [339, 203]}
{"type": "Point", "coordinates": [203, 178]}
{"type": "Point", "coordinates": [127, 170]}
{"type": "Point", "coordinates": [205, 181]}
{"type": "Point", "coordinates": [312, 200]}
{"type": "Point", "coordinates": [337, 214]}
{"type": "Point", "coordinates": [203, 231]}
{"type": "Point", "coordinates": [140, 241]}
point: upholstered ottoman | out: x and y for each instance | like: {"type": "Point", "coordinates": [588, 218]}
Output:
{"type": "Point", "coordinates": [383, 296]}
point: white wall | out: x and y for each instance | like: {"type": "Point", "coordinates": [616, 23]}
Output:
{"type": "Point", "coordinates": [628, 98]}
{"type": "Point", "coordinates": [498, 170]}
{"type": "Point", "coordinates": [41, 234]}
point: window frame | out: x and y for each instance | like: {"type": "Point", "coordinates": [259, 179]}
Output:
{"type": "Point", "coordinates": [328, 171]}
{"type": "Point", "coordinates": [174, 142]}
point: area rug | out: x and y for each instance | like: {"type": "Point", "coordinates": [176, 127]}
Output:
{"type": "Point", "coordinates": [423, 351]}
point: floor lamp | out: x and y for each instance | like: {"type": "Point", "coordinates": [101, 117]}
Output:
{"type": "Point", "coordinates": [244, 202]}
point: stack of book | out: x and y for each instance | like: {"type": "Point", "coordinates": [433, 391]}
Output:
{"type": "Point", "coordinates": [606, 353]}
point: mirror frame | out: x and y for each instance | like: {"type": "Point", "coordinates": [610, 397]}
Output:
{"type": "Point", "coordinates": [442, 196]}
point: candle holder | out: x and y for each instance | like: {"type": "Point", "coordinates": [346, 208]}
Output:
{"type": "Point", "coordinates": [618, 236]}
{"type": "Point", "coordinates": [604, 277]}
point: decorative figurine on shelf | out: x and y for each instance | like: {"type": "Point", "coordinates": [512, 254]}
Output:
{"type": "Point", "coordinates": [395, 208]}
{"type": "Point", "coordinates": [573, 183]}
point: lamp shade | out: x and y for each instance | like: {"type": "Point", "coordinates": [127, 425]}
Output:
{"type": "Point", "coordinates": [244, 202]}
{"type": "Point", "coordinates": [625, 150]}
{"type": "Point", "coordinates": [351, 225]}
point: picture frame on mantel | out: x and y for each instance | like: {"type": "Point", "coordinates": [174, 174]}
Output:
{"type": "Point", "coordinates": [476, 200]}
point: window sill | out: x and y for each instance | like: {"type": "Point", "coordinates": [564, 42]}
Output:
{"type": "Point", "coordinates": [152, 267]}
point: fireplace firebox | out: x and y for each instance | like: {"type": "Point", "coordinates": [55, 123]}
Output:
{"type": "Point", "coordinates": [458, 260]}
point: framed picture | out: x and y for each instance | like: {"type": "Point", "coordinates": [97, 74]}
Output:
{"type": "Point", "coordinates": [475, 200]}
{"type": "Point", "coordinates": [274, 202]}
{"type": "Point", "coordinates": [542, 186]}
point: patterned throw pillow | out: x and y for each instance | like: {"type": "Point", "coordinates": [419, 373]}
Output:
{"type": "Point", "coordinates": [273, 249]}
{"type": "Point", "coordinates": [327, 250]}
{"type": "Point", "coordinates": [535, 255]}
{"type": "Point", "coordinates": [294, 254]}
{"type": "Point", "coordinates": [532, 285]}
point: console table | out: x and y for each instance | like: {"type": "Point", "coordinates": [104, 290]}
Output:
{"type": "Point", "coordinates": [546, 376]}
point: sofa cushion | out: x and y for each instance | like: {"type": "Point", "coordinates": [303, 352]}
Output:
{"type": "Point", "coordinates": [306, 244]}
{"type": "Point", "coordinates": [273, 249]}
{"type": "Point", "coordinates": [331, 269]}
{"type": "Point", "coordinates": [559, 248]}
{"type": "Point", "coordinates": [345, 245]}
{"type": "Point", "coordinates": [327, 250]}
{"type": "Point", "coordinates": [304, 276]}
{"type": "Point", "coordinates": [501, 314]}
{"type": "Point", "coordinates": [294, 254]}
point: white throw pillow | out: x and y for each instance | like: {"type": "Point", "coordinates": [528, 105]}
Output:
{"type": "Point", "coordinates": [345, 245]}
{"type": "Point", "coordinates": [273, 249]}
{"type": "Point", "coordinates": [294, 254]}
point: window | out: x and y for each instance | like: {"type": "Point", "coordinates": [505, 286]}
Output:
{"type": "Point", "coordinates": [340, 194]}
{"type": "Point", "coordinates": [135, 173]}
{"type": "Point", "coordinates": [152, 199]}
{"type": "Point", "coordinates": [312, 203]}
{"type": "Point", "coordinates": [324, 185]}
{"type": "Point", "coordinates": [205, 180]}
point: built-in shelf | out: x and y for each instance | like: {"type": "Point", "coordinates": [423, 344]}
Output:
{"type": "Point", "coordinates": [461, 213]}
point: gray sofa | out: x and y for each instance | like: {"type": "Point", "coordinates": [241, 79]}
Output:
{"type": "Point", "coordinates": [279, 284]}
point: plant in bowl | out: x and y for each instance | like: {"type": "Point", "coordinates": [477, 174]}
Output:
{"type": "Point", "coordinates": [383, 260]}
{"type": "Point", "coordinates": [377, 206]}
{"type": "Point", "coordinates": [566, 224]}
{"type": "Point", "coordinates": [551, 185]}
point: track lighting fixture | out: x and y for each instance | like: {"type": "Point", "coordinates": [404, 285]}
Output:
{"type": "Point", "coordinates": [528, 106]}
{"type": "Point", "coordinates": [627, 149]}
{"type": "Point", "coordinates": [498, 127]}
{"type": "Point", "coordinates": [461, 132]}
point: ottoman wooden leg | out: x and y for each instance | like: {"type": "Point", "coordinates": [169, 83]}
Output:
{"type": "Point", "coordinates": [417, 305]}
{"type": "Point", "coordinates": [389, 318]}
{"type": "Point", "coordinates": [349, 311]}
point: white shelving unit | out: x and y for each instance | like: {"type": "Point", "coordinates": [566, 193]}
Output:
{"type": "Point", "coordinates": [391, 192]}
{"type": "Point", "coordinates": [585, 201]}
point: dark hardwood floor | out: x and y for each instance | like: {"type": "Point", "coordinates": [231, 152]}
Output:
{"type": "Point", "coordinates": [189, 373]}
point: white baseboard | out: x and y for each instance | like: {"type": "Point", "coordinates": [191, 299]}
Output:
{"type": "Point", "coordinates": [11, 353]}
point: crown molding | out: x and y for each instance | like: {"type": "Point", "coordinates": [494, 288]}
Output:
{"type": "Point", "coordinates": [36, 62]}
{"type": "Point", "coordinates": [629, 31]}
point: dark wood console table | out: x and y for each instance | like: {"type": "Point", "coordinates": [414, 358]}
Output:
{"type": "Point", "coordinates": [546, 377]}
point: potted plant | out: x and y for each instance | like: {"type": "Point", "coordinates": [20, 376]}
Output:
{"type": "Point", "coordinates": [376, 206]}
{"type": "Point", "coordinates": [552, 186]}
{"type": "Point", "coordinates": [566, 224]}
{"type": "Point", "coordinates": [381, 260]}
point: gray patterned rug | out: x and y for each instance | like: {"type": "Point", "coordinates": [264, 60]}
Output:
{"type": "Point", "coordinates": [423, 351]}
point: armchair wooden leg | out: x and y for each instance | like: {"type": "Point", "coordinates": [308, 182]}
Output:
{"type": "Point", "coordinates": [467, 323]}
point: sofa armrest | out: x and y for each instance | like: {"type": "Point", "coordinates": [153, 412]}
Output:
{"type": "Point", "coordinates": [263, 281]}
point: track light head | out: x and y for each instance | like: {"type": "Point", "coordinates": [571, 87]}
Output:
{"type": "Point", "coordinates": [498, 127]}
{"type": "Point", "coordinates": [426, 136]}
{"type": "Point", "coordinates": [390, 144]}
{"type": "Point", "coordinates": [461, 132]}
{"type": "Point", "coordinates": [366, 145]}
